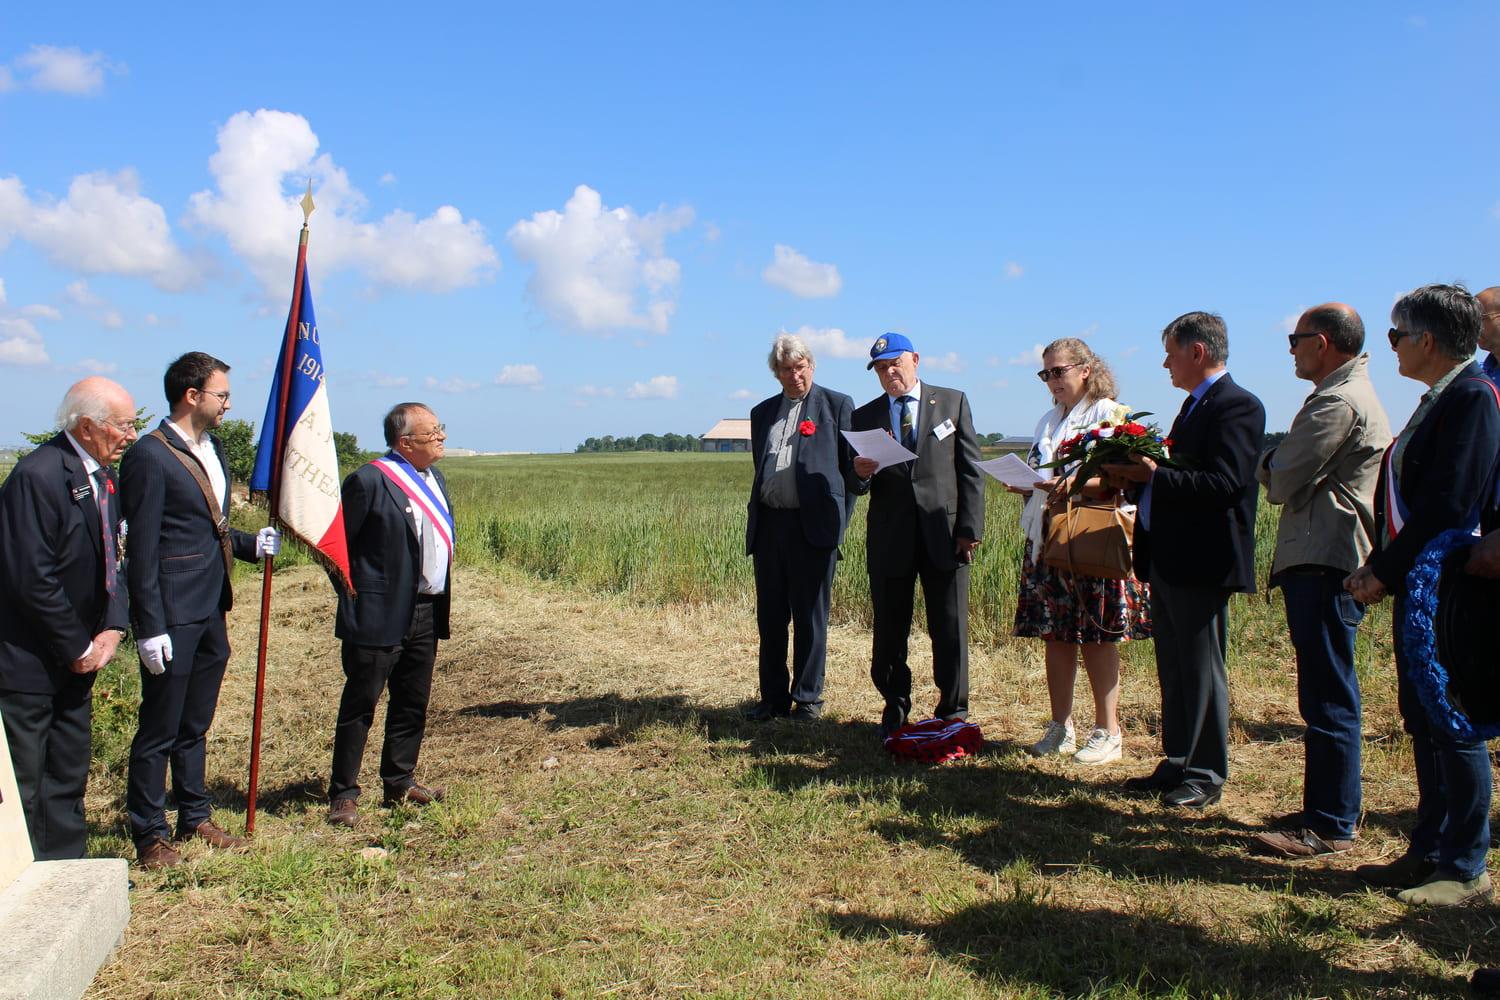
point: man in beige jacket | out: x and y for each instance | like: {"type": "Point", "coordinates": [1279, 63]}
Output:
{"type": "Point", "coordinates": [1323, 475]}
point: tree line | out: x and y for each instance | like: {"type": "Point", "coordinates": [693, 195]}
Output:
{"type": "Point", "coordinates": [645, 442]}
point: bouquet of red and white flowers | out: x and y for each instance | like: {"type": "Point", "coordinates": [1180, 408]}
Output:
{"type": "Point", "coordinates": [1111, 443]}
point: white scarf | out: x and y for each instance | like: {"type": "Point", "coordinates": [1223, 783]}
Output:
{"type": "Point", "coordinates": [1055, 427]}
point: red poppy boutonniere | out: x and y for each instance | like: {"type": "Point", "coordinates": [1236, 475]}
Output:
{"type": "Point", "coordinates": [807, 428]}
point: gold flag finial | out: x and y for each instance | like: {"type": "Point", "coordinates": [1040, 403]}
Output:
{"type": "Point", "coordinates": [307, 203]}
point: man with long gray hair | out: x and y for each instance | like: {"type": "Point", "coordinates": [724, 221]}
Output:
{"type": "Point", "coordinates": [62, 606]}
{"type": "Point", "coordinates": [798, 511]}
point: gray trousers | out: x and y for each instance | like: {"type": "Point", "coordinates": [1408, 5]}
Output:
{"type": "Point", "coordinates": [1190, 624]}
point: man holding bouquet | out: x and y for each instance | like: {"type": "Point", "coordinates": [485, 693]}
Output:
{"type": "Point", "coordinates": [1195, 543]}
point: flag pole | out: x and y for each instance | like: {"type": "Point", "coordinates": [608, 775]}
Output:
{"type": "Point", "coordinates": [274, 500]}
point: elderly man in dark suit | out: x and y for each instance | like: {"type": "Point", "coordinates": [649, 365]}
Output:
{"type": "Point", "coordinates": [175, 484]}
{"type": "Point", "coordinates": [926, 518]}
{"type": "Point", "coordinates": [62, 606]}
{"type": "Point", "coordinates": [399, 525]}
{"type": "Point", "coordinates": [799, 508]}
{"type": "Point", "coordinates": [1195, 542]}
{"type": "Point", "coordinates": [1439, 474]}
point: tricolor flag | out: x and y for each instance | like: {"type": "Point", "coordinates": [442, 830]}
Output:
{"type": "Point", "coordinates": [296, 463]}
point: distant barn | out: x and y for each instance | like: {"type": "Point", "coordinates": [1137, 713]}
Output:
{"type": "Point", "coordinates": [731, 434]}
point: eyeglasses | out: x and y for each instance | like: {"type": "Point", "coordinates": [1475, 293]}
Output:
{"type": "Point", "coordinates": [438, 433]}
{"type": "Point", "coordinates": [1395, 335]}
{"type": "Point", "coordinates": [1292, 338]}
{"type": "Point", "coordinates": [123, 426]}
{"type": "Point", "coordinates": [1048, 374]}
{"type": "Point", "coordinates": [222, 397]}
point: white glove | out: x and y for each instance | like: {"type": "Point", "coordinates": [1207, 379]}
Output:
{"type": "Point", "coordinates": [267, 543]}
{"type": "Point", "coordinates": [155, 652]}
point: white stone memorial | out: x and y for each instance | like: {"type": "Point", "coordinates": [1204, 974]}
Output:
{"type": "Point", "coordinates": [59, 920]}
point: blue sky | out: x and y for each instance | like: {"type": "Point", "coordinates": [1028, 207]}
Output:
{"type": "Point", "coordinates": [569, 220]}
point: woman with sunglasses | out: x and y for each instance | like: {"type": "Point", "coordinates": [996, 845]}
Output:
{"type": "Point", "coordinates": [1075, 614]}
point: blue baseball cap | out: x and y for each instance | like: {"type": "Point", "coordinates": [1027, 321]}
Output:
{"type": "Point", "coordinates": [889, 345]}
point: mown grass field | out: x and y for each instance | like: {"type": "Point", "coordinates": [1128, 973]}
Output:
{"type": "Point", "coordinates": [615, 829]}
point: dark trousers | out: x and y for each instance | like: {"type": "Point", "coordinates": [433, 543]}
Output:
{"type": "Point", "coordinates": [1453, 782]}
{"type": "Point", "coordinates": [1190, 625]}
{"type": "Point", "coordinates": [1323, 619]}
{"type": "Point", "coordinates": [177, 707]}
{"type": "Point", "coordinates": [49, 748]}
{"type": "Point", "coordinates": [407, 669]}
{"type": "Point", "coordinates": [946, 593]}
{"type": "Point", "coordinates": [793, 581]}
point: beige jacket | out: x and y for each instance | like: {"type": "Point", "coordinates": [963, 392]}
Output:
{"type": "Point", "coordinates": [1323, 473]}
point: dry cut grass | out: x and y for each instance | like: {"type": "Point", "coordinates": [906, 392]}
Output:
{"type": "Point", "coordinates": [614, 829]}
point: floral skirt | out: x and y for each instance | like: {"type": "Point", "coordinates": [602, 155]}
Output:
{"type": "Point", "coordinates": [1080, 609]}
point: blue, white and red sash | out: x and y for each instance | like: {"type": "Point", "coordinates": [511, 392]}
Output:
{"type": "Point", "coordinates": [430, 502]}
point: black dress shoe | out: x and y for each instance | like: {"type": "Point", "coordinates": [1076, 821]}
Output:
{"type": "Point", "coordinates": [1165, 778]}
{"type": "Point", "coordinates": [807, 712]}
{"type": "Point", "coordinates": [764, 713]}
{"type": "Point", "coordinates": [891, 719]}
{"type": "Point", "coordinates": [1485, 982]}
{"type": "Point", "coordinates": [1190, 796]}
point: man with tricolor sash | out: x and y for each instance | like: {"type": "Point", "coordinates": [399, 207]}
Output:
{"type": "Point", "coordinates": [399, 525]}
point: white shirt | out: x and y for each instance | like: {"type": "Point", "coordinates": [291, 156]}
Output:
{"type": "Point", "coordinates": [90, 464]}
{"type": "Point", "coordinates": [203, 450]}
{"type": "Point", "coordinates": [434, 551]}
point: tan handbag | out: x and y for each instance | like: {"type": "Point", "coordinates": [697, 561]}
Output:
{"type": "Point", "coordinates": [1089, 537]}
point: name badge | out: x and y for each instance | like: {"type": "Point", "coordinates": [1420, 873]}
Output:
{"type": "Point", "coordinates": [942, 430]}
{"type": "Point", "coordinates": [81, 493]}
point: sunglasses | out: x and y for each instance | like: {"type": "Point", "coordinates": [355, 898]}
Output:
{"type": "Point", "coordinates": [1395, 335]}
{"type": "Point", "coordinates": [1293, 338]}
{"type": "Point", "coordinates": [1048, 374]}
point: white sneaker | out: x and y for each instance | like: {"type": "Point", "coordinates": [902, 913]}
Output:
{"type": "Point", "coordinates": [1056, 738]}
{"type": "Point", "coordinates": [1101, 748]}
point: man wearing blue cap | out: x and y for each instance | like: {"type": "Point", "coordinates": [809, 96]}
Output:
{"type": "Point", "coordinates": [925, 521]}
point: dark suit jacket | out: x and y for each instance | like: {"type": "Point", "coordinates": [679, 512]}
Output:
{"type": "Point", "coordinates": [823, 465]}
{"type": "Point", "coordinates": [176, 569]}
{"type": "Point", "coordinates": [1203, 514]}
{"type": "Point", "coordinates": [1448, 474]}
{"type": "Point", "coordinates": [385, 562]}
{"type": "Point", "coordinates": [52, 596]}
{"type": "Point", "coordinates": [936, 498]}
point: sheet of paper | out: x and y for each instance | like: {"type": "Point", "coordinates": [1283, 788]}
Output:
{"type": "Point", "coordinates": [1010, 470]}
{"type": "Point", "coordinates": [878, 445]}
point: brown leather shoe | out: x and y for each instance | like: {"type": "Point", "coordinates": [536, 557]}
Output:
{"type": "Point", "coordinates": [415, 794]}
{"type": "Point", "coordinates": [343, 812]}
{"type": "Point", "coordinates": [215, 836]}
{"type": "Point", "coordinates": [1303, 842]}
{"type": "Point", "coordinates": [157, 854]}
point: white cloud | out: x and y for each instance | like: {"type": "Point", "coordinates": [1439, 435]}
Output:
{"type": "Point", "coordinates": [104, 226]}
{"type": "Point", "coordinates": [519, 375]}
{"type": "Point", "coordinates": [100, 310]}
{"type": "Point", "coordinates": [831, 342]}
{"type": "Point", "coordinates": [64, 70]}
{"type": "Point", "coordinates": [260, 169]}
{"type": "Point", "coordinates": [949, 362]}
{"type": "Point", "coordinates": [742, 394]}
{"type": "Point", "coordinates": [1012, 270]}
{"type": "Point", "coordinates": [659, 387]}
{"type": "Point", "coordinates": [711, 232]}
{"type": "Point", "coordinates": [112, 319]}
{"type": "Point", "coordinates": [595, 391]}
{"type": "Point", "coordinates": [453, 386]}
{"type": "Point", "coordinates": [1131, 351]}
{"type": "Point", "coordinates": [1002, 383]}
{"type": "Point", "coordinates": [806, 279]}
{"type": "Point", "coordinates": [39, 311]}
{"type": "Point", "coordinates": [151, 319]}
{"type": "Point", "coordinates": [601, 269]}
{"type": "Point", "coordinates": [20, 343]}
{"type": "Point", "coordinates": [1033, 356]}
{"type": "Point", "coordinates": [93, 366]}
{"type": "Point", "coordinates": [1417, 21]}
{"type": "Point", "coordinates": [389, 381]}
{"type": "Point", "coordinates": [1288, 322]}
{"type": "Point", "coordinates": [1494, 211]}
{"type": "Point", "coordinates": [387, 178]}
{"type": "Point", "coordinates": [7, 82]}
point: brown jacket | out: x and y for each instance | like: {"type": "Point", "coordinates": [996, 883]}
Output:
{"type": "Point", "coordinates": [1323, 473]}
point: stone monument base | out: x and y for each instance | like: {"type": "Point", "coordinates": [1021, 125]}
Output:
{"type": "Point", "coordinates": [59, 922]}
